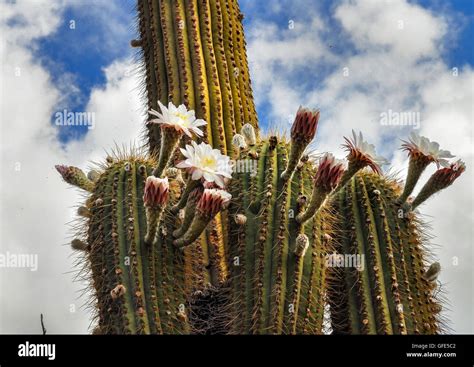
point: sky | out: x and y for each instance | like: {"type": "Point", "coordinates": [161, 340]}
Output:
{"type": "Point", "coordinates": [355, 60]}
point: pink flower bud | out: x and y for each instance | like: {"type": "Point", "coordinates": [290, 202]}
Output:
{"type": "Point", "coordinates": [305, 125]}
{"type": "Point", "coordinates": [213, 201]}
{"type": "Point", "coordinates": [446, 176]}
{"type": "Point", "coordinates": [156, 191]}
{"type": "Point", "coordinates": [329, 172]}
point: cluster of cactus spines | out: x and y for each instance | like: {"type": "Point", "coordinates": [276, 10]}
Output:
{"type": "Point", "coordinates": [194, 54]}
{"type": "Point", "coordinates": [196, 247]}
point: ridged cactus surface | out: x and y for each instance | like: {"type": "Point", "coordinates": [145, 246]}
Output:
{"type": "Point", "coordinates": [277, 279]}
{"type": "Point", "coordinates": [217, 230]}
{"type": "Point", "coordinates": [194, 53]}
{"type": "Point", "coordinates": [390, 293]}
{"type": "Point", "coordinates": [140, 288]}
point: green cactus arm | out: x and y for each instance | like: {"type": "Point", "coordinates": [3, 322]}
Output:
{"type": "Point", "coordinates": [263, 273]}
{"type": "Point", "coordinates": [76, 177]}
{"type": "Point", "coordinates": [387, 258]}
{"type": "Point", "coordinates": [344, 286]}
{"type": "Point", "coordinates": [386, 197]}
{"type": "Point", "coordinates": [264, 217]}
{"type": "Point", "coordinates": [370, 320]}
{"type": "Point", "coordinates": [381, 277]}
{"type": "Point", "coordinates": [392, 288]}
{"type": "Point", "coordinates": [250, 115]}
{"type": "Point", "coordinates": [170, 51]}
{"type": "Point", "coordinates": [279, 264]}
{"type": "Point", "coordinates": [259, 180]}
{"type": "Point", "coordinates": [266, 288]}
{"type": "Point", "coordinates": [217, 28]}
{"type": "Point", "coordinates": [214, 87]}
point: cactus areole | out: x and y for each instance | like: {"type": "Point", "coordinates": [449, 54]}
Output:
{"type": "Point", "coordinates": [178, 241]}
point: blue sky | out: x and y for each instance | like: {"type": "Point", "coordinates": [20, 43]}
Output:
{"type": "Point", "coordinates": [80, 50]}
{"type": "Point", "coordinates": [82, 53]}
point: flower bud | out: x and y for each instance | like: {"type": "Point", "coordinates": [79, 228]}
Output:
{"type": "Point", "coordinates": [238, 142]}
{"type": "Point", "coordinates": [248, 132]}
{"type": "Point", "coordinates": [156, 191]}
{"type": "Point", "coordinates": [302, 244]}
{"type": "Point", "coordinates": [213, 201]}
{"type": "Point", "coordinates": [305, 125]}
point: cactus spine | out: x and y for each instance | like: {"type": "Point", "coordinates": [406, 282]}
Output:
{"type": "Point", "coordinates": [247, 253]}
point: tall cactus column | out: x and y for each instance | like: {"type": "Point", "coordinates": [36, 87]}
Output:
{"type": "Point", "coordinates": [277, 283]}
{"type": "Point", "coordinates": [194, 53]}
{"type": "Point", "coordinates": [388, 293]}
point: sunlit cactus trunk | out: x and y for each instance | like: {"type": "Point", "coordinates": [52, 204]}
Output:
{"type": "Point", "coordinates": [194, 53]}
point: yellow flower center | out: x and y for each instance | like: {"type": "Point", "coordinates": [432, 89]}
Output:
{"type": "Point", "coordinates": [208, 162]}
{"type": "Point", "coordinates": [182, 117]}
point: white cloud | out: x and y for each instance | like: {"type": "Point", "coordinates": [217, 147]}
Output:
{"type": "Point", "coordinates": [36, 204]}
{"type": "Point", "coordinates": [118, 114]}
{"type": "Point", "coordinates": [407, 29]}
{"type": "Point", "coordinates": [26, 21]}
{"type": "Point", "coordinates": [394, 61]}
{"type": "Point", "coordinates": [272, 49]}
{"type": "Point", "coordinates": [111, 25]}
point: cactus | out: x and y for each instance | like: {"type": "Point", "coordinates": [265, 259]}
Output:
{"type": "Point", "coordinates": [395, 291]}
{"type": "Point", "coordinates": [388, 294]}
{"type": "Point", "coordinates": [277, 275]}
{"type": "Point", "coordinates": [194, 54]}
{"type": "Point", "coordinates": [177, 241]}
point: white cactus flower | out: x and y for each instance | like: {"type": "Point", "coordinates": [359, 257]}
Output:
{"type": "Point", "coordinates": [178, 118]}
{"type": "Point", "coordinates": [206, 163]}
{"type": "Point", "coordinates": [420, 145]}
{"type": "Point", "coordinates": [361, 150]}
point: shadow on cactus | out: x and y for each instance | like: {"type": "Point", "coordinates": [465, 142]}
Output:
{"type": "Point", "coordinates": [215, 230]}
